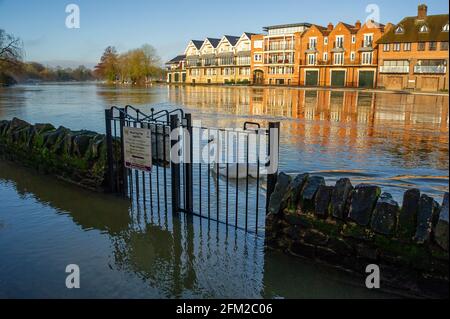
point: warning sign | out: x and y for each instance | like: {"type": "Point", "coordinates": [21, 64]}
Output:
{"type": "Point", "coordinates": [137, 144]}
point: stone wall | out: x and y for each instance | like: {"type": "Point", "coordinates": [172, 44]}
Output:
{"type": "Point", "coordinates": [352, 227]}
{"type": "Point", "coordinates": [75, 156]}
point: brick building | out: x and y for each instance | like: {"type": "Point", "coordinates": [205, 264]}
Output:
{"type": "Point", "coordinates": [414, 53]}
{"type": "Point", "coordinates": [341, 56]}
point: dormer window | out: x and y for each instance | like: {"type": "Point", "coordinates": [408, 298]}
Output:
{"type": "Point", "coordinates": [445, 28]}
{"type": "Point", "coordinates": [424, 28]}
{"type": "Point", "coordinates": [399, 30]}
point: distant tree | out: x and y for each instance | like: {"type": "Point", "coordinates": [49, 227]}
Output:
{"type": "Point", "coordinates": [108, 67]}
{"type": "Point", "coordinates": [11, 53]}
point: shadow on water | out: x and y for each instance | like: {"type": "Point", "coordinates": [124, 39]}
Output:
{"type": "Point", "coordinates": [126, 251]}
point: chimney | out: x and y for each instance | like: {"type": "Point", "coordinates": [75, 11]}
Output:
{"type": "Point", "coordinates": [330, 27]}
{"type": "Point", "coordinates": [422, 12]}
{"type": "Point", "coordinates": [358, 24]}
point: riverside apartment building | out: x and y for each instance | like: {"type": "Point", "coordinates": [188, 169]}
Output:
{"type": "Point", "coordinates": [414, 53]}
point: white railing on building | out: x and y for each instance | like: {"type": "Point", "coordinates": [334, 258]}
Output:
{"type": "Point", "coordinates": [394, 69]}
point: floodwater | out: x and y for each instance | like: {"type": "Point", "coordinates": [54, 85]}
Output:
{"type": "Point", "coordinates": [124, 250]}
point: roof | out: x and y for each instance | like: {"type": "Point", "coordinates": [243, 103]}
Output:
{"type": "Point", "coordinates": [232, 39]}
{"type": "Point", "coordinates": [198, 43]}
{"type": "Point", "coordinates": [411, 26]}
{"type": "Point", "coordinates": [292, 25]}
{"type": "Point", "coordinates": [249, 34]}
{"type": "Point", "coordinates": [177, 59]}
{"type": "Point", "coordinates": [214, 42]}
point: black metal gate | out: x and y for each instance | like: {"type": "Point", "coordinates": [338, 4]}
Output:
{"type": "Point", "coordinates": [224, 175]}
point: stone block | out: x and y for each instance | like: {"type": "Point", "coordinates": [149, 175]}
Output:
{"type": "Point", "coordinates": [426, 216]}
{"type": "Point", "coordinates": [441, 230]}
{"type": "Point", "coordinates": [384, 218]}
{"type": "Point", "coordinates": [339, 198]}
{"type": "Point", "coordinates": [322, 201]}
{"type": "Point", "coordinates": [309, 192]}
{"type": "Point", "coordinates": [363, 201]}
{"type": "Point", "coordinates": [408, 215]}
{"type": "Point", "coordinates": [275, 203]}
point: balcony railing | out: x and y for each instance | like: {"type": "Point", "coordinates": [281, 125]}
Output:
{"type": "Point", "coordinates": [279, 47]}
{"type": "Point", "coordinates": [437, 69]}
{"type": "Point", "coordinates": [394, 69]}
{"type": "Point", "coordinates": [367, 44]}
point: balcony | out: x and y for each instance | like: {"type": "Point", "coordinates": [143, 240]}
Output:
{"type": "Point", "coordinates": [338, 47]}
{"type": "Point", "coordinates": [279, 47]}
{"type": "Point", "coordinates": [431, 69]}
{"type": "Point", "coordinates": [366, 46]}
{"type": "Point", "coordinates": [394, 69]}
{"type": "Point", "coordinates": [312, 48]}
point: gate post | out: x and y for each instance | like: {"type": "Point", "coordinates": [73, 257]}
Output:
{"type": "Point", "coordinates": [175, 167]}
{"type": "Point", "coordinates": [109, 152]}
{"type": "Point", "coordinates": [273, 152]}
{"type": "Point", "coordinates": [188, 156]}
{"type": "Point", "coordinates": [123, 170]}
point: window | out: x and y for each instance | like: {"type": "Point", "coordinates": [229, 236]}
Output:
{"type": "Point", "coordinates": [399, 30]}
{"type": "Point", "coordinates": [257, 57]}
{"type": "Point", "coordinates": [397, 47]}
{"type": "Point", "coordinates": [340, 41]}
{"type": "Point", "coordinates": [325, 40]}
{"type": "Point", "coordinates": [432, 46]}
{"type": "Point", "coordinates": [353, 39]}
{"type": "Point", "coordinates": [312, 43]}
{"type": "Point", "coordinates": [352, 56]}
{"type": "Point", "coordinates": [423, 28]}
{"type": "Point", "coordinates": [386, 47]}
{"type": "Point", "coordinates": [368, 39]}
{"type": "Point", "coordinates": [325, 56]}
{"type": "Point", "coordinates": [311, 59]}
{"type": "Point", "coordinates": [407, 46]}
{"type": "Point", "coordinates": [339, 58]}
{"type": "Point", "coordinates": [421, 46]}
{"type": "Point", "coordinates": [445, 28]}
{"type": "Point", "coordinates": [444, 46]}
{"type": "Point", "coordinates": [367, 58]}
{"type": "Point", "coordinates": [258, 44]}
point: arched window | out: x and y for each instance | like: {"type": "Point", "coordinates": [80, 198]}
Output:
{"type": "Point", "coordinates": [445, 28]}
{"type": "Point", "coordinates": [424, 28]}
{"type": "Point", "coordinates": [399, 30]}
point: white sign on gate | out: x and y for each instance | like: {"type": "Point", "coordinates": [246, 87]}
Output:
{"type": "Point", "coordinates": [137, 144]}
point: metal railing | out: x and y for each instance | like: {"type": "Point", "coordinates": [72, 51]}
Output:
{"type": "Point", "coordinates": [228, 192]}
{"type": "Point", "coordinates": [394, 69]}
{"type": "Point", "coordinates": [435, 69]}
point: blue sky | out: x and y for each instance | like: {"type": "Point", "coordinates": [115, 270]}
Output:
{"type": "Point", "coordinates": [169, 25]}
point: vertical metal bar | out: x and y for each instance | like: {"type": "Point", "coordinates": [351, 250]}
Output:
{"type": "Point", "coordinates": [209, 175]}
{"type": "Point", "coordinates": [218, 146]}
{"type": "Point", "coordinates": [237, 179]}
{"type": "Point", "coordinates": [164, 166]}
{"type": "Point", "coordinates": [200, 174]}
{"type": "Point", "coordinates": [246, 180]}
{"type": "Point", "coordinates": [257, 149]}
{"type": "Point", "coordinates": [227, 149]}
{"type": "Point", "coordinates": [157, 164]}
{"type": "Point", "coordinates": [124, 171]}
{"type": "Point", "coordinates": [109, 151]}
{"type": "Point", "coordinates": [188, 163]}
{"type": "Point", "coordinates": [273, 154]}
{"type": "Point", "coordinates": [175, 168]}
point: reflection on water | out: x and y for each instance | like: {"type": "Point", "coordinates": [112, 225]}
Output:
{"type": "Point", "coordinates": [394, 140]}
{"type": "Point", "coordinates": [124, 251]}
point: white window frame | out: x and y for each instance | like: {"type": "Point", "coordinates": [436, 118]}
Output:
{"type": "Point", "coordinates": [352, 56]}
{"type": "Point", "coordinates": [386, 47]}
{"type": "Point", "coordinates": [407, 46]}
{"type": "Point", "coordinates": [367, 58]}
{"type": "Point", "coordinates": [325, 56]}
{"type": "Point", "coordinates": [325, 40]}
{"type": "Point", "coordinates": [340, 60]}
{"type": "Point", "coordinates": [340, 38]}
{"type": "Point", "coordinates": [311, 58]}
{"type": "Point", "coordinates": [311, 41]}
{"type": "Point", "coordinates": [399, 30]}
{"type": "Point", "coordinates": [445, 28]}
{"type": "Point", "coordinates": [353, 39]}
{"type": "Point", "coordinates": [423, 29]}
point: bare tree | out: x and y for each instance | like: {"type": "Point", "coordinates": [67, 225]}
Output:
{"type": "Point", "coordinates": [11, 51]}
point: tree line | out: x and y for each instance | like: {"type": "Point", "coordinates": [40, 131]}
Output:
{"type": "Point", "coordinates": [138, 66]}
